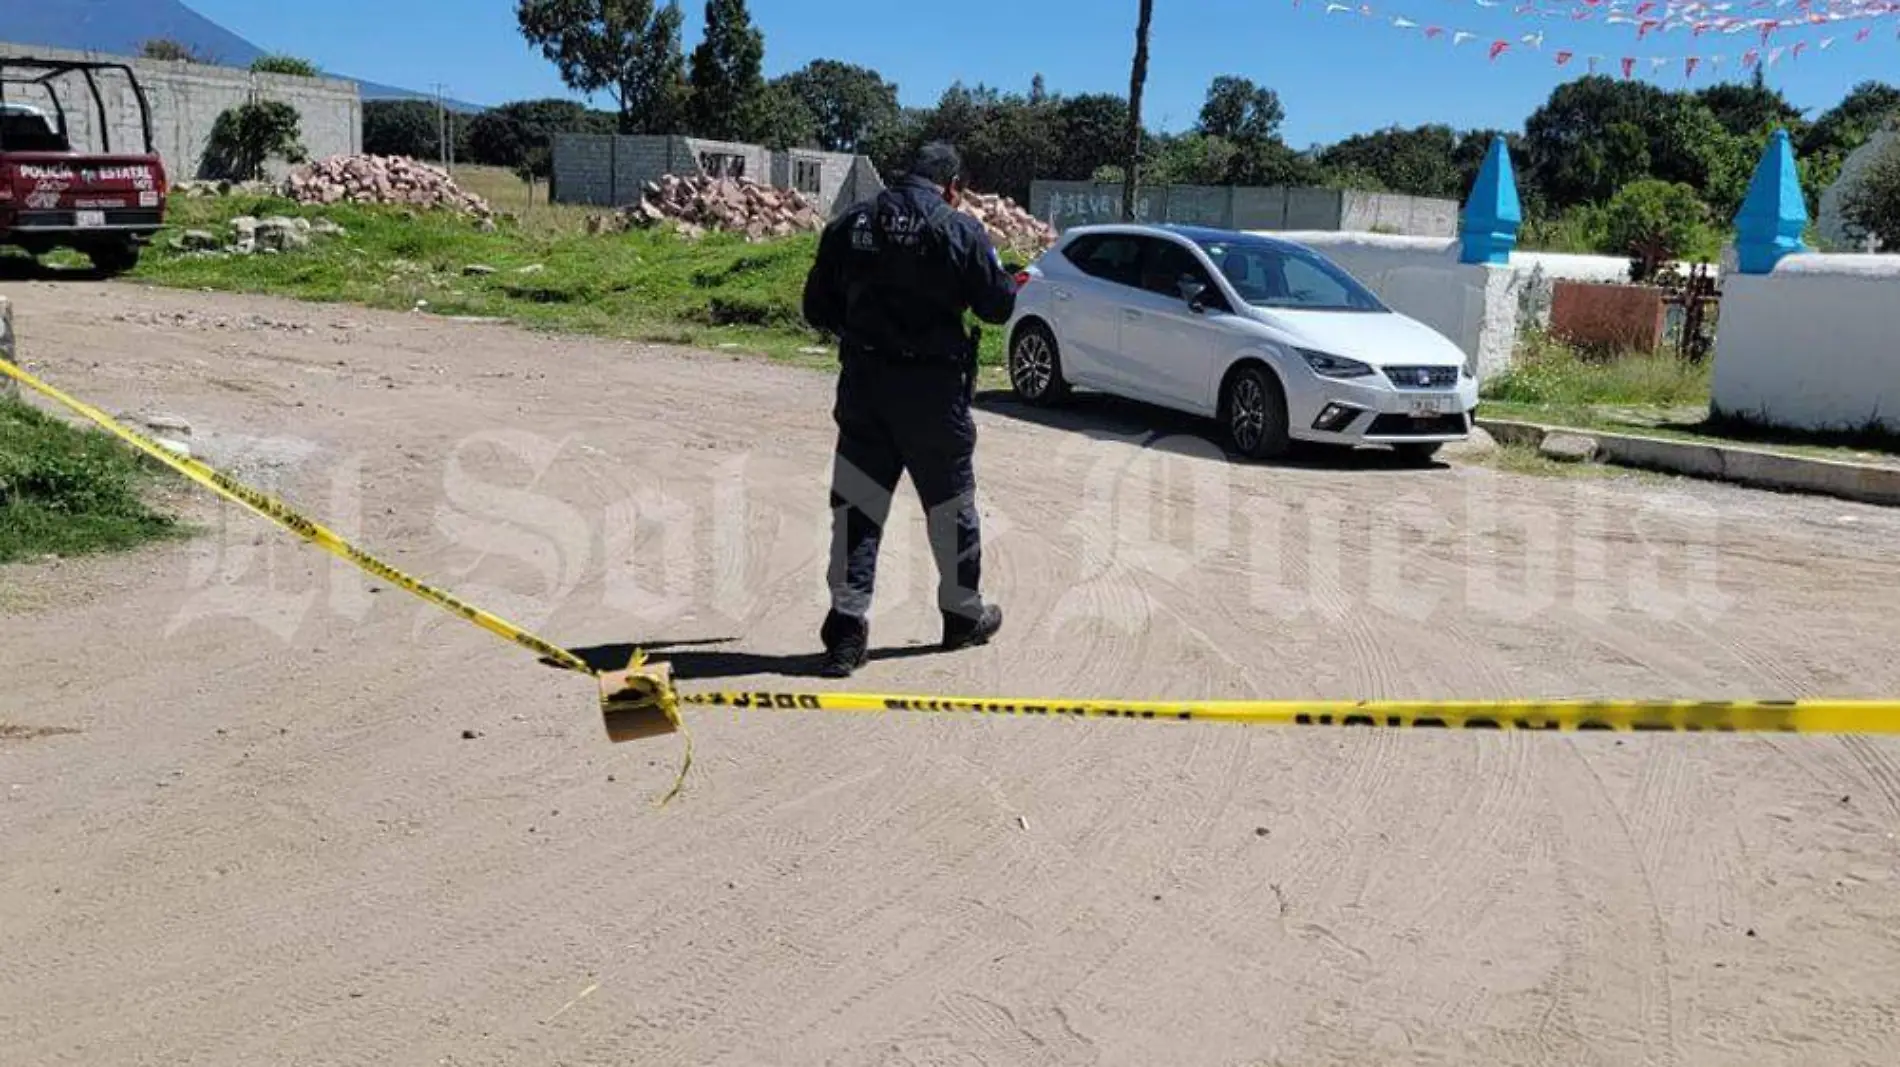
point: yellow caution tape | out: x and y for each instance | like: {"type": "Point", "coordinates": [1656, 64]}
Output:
{"type": "Point", "coordinates": [639, 698]}
{"type": "Point", "coordinates": [1780, 716]}
{"type": "Point", "coordinates": [640, 701]}
{"type": "Point", "coordinates": [284, 515]}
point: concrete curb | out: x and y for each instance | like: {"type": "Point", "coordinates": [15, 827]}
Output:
{"type": "Point", "coordinates": [1724, 463]}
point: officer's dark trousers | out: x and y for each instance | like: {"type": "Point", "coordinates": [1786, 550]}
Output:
{"type": "Point", "coordinates": [893, 418]}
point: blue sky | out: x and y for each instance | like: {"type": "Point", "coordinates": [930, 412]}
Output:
{"type": "Point", "coordinates": [1337, 73]}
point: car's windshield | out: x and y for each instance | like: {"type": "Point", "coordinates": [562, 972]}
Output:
{"type": "Point", "coordinates": [1272, 275]}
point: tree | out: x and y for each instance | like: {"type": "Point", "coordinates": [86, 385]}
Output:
{"type": "Point", "coordinates": [1837, 132]}
{"type": "Point", "coordinates": [848, 103]}
{"type": "Point", "coordinates": [1422, 161]}
{"type": "Point", "coordinates": [1873, 204]}
{"type": "Point", "coordinates": [520, 136]}
{"type": "Point", "coordinates": [627, 49]}
{"type": "Point", "coordinates": [1746, 108]}
{"type": "Point", "coordinates": [1138, 81]}
{"type": "Point", "coordinates": [782, 120]}
{"type": "Point", "coordinates": [1241, 111]}
{"type": "Point", "coordinates": [1656, 222]}
{"type": "Point", "coordinates": [1089, 128]}
{"type": "Point", "coordinates": [246, 137]}
{"type": "Point", "coordinates": [1597, 134]}
{"type": "Point", "coordinates": [171, 50]}
{"type": "Point", "coordinates": [294, 66]}
{"type": "Point", "coordinates": [402, 128]}
{"type": "Point", "coordinates": [729, 101]}
{"type": "Point", "coordinates": [1848, 124]}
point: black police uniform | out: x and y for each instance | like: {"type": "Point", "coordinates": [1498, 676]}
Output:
{"type": "Point", "coordinates": [892, 280]}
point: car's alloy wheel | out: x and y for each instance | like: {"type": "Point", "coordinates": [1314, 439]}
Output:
{"type": "Point", "coordinates": [1255, 412]}
{"type": "Point", "coordinates": [1035, 370]}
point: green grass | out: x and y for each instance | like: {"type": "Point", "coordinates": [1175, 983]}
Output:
{"type": "Point", "coordinates": [69, 492]}
{"type": "Point", "coordinates": [1550, 373]}
{"type": "Point", "coordinates": [642, 285]}
{"type": "Point", "coordinates": [1653, 395]}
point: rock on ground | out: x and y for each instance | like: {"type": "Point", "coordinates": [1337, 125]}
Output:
{"type": "Point", "coordinates": [1568, 448]}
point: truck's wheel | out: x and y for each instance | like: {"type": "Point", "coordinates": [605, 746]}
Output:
{"type": "Point", "coordinates": [114, 258]}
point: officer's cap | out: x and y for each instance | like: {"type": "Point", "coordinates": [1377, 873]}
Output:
{"type": "Point", "coordinates": [937, 162]}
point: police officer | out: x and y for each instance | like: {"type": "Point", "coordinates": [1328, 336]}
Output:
{"type": "Point", "coordinates": [892, 281]}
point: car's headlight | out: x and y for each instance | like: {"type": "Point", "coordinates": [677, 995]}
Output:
{"type": "Point", "coordinates": [1327, 366]}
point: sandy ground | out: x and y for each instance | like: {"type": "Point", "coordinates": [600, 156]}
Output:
{"type": "Point", "coordinates": [255, 811]}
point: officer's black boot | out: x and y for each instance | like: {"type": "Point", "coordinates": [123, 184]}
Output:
{"type": "Point", "coordinates": [847, 641]}
{"type": "Point", "coordinates": [962, 631]}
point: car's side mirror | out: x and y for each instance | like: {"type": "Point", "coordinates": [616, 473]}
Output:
{"type": "Point", "coordinates": [1194, 292]}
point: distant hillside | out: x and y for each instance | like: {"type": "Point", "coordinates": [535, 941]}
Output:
{"type": "Point", "coordinates": [123, 26]}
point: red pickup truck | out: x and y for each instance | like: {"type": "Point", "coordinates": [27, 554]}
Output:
{"type": "Point", "coordinates": [105, 204]}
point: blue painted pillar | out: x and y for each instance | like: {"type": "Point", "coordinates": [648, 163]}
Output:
{"type": "Point", "coordinates": [1774, 214]}
{"type": "Point", "coordinates": [1488, 230]}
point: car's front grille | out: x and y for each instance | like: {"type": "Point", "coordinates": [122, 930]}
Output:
{"type": "Point", "coordinates": [1423, 377]}
{"type": "Point", "coordinates": [1417, 426]}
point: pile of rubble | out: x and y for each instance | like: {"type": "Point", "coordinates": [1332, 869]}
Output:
{"type": "Point", "coordinates": [249, 236]}
{"type": "Point", "coordinates": [1011, 228]}
{"type": "Point", "coordinates": [382, 180]}
{"type": "Point", "coordinates": [695, 206]}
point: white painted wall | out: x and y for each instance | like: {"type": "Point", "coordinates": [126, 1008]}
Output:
{"type": "Point", "coordinates": [1814, 345]}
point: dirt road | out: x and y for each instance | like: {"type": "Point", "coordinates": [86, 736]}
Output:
{"type": "Point", "coordinates": [299, 820]}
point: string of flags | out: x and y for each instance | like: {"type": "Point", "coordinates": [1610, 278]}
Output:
{"type": "Point", "coordinates": [1650, 16]}
{"type": "Point", "coordinates": [1764, 17]}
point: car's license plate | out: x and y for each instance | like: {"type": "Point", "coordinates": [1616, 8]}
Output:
{"type": "Point", "coordinates": [1434, 405]}
{"type": "Point", "coordinates": [90, 219]}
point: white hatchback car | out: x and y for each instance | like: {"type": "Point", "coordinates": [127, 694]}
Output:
{"type": "Point", "coordinates": [1265, 335]}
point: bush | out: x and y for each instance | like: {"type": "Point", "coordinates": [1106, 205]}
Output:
{"type": "Point", "coordinates": [67, 491]}
{"type": "Point", "coordinates": [246, 137]}
{"type": "Point", "coordinates": [1657, 222]}
{"type": "Point", "coordinates": [173, 51]}
{"type": "Point", "coordinates": [293, 66]}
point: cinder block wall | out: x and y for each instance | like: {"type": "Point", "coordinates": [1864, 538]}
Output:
{"type": "Point", "coordinates": [1068, 204]}
{"type": "Point", "coordinates": [186, 100]}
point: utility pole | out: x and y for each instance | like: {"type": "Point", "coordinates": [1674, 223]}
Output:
{"type": "Point", "coordinates": [1131, 171]}
{"type": "Point", "coordinates": [441, 123]}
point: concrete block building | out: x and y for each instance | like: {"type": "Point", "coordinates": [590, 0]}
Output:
{"type": "Point", "coordinates": [611, 171]}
